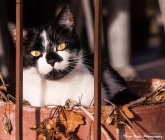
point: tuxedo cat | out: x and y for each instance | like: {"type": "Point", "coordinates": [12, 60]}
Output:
{"type": "Point", "coordinates": [56, 68]}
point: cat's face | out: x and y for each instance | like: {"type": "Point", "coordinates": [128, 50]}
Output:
{"type": "Point", "coordinates": [53, 49]}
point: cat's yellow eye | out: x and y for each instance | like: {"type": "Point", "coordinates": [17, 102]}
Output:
{"type": "Point", "coordinates": [61, 46]}
{"type": "Point", "coordinates": [35, 53]}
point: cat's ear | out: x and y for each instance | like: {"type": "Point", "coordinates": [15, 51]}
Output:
{"type": "Point", "coordinates": [12, 30]}
{"type": "Point", "coordinates": [65, 18]}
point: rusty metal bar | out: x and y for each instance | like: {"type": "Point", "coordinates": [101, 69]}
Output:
{"type": "Point", "coordinates": [19, 43]}
{"type": "Point", "coordinates": [97, 70]}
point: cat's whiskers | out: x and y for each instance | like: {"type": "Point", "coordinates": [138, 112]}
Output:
{"type": "Point", "coordinates": [82, 59]}
{"type": "Point", "coordinates": [79, 61]}
{"type": "Point", "coordinates": [70, 72]}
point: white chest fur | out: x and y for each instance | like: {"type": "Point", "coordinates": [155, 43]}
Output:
{"type": "Point", "coordinates": [77, 85]}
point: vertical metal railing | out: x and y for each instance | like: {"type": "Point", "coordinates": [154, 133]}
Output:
{"type": "Point", "coordinates": [97, 70]}
{"type": "Point", "coordinates": [19, 43]}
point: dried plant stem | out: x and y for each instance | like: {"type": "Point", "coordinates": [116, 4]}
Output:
{"type": "Point", "coordinates": [3, 83]}
{"type": "Point", "coordinates": [3, 95]}
{"type": "Point", "coordinates": [7, 98]}
{"type": "Point", "coordinates": [2, 79]}
{"type": "Point", "coordinates": [11, 97]}
{"type": "Point", "coordinates": [138, 101]}
{"type": "Point", "coordinates": [4, 86]}
{"type": "Point", "coordinates": [155, 102]}
{"type": "Point", "coordinates": [109, 102]}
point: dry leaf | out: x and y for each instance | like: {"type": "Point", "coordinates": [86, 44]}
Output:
{"type": "Point", "coordinates": [49, 127]}
{"type": "Point", "coordinates": [109, 120]}
{"type": "Point", "coordinates": [47, 134]}
{"type": "Point", "coordinates": [128, 113]}
{"type": "Point", "coordinates": [105, 112]}
{"type": "Point", "coordinates": [49, 124]}
{"type": "Point", "coordinates": [104, 118]}
{"type": "Point", "coordinates": [41, 137]}
{"type": "Point", "coordinates": [107, 109]}
{"type": "Point", "coordinates": [71, 120]}
{"type": "Point", "coordinates": [57, 136]}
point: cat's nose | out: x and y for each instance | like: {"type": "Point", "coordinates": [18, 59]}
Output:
{"type": "Point", "coordinates": [51, 58]}
{"type": "Point", "coordinates": [51, 62]}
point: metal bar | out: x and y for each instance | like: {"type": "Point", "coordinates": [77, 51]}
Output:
{"type": "Point", "coordinates": [97, 70]}
{"type": "Point", "coordinates": [19, 43]}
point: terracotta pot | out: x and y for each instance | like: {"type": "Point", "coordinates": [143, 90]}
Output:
{"type": "Point", "coordinates": [149, 120]}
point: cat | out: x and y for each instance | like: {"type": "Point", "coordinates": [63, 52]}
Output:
{"type": "Point", "coordinates": [55, 67]}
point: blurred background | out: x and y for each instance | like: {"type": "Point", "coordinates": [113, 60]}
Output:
{"type": "Point", "coordinates": [133, 36]}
